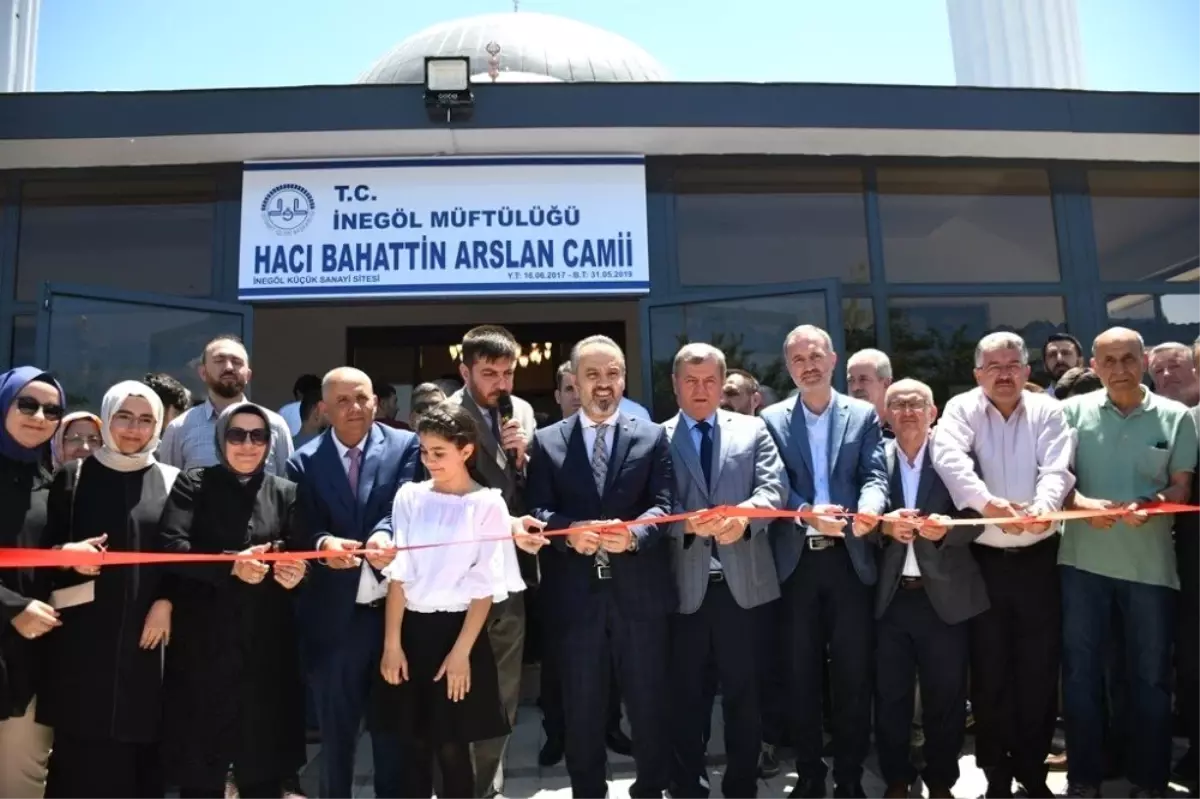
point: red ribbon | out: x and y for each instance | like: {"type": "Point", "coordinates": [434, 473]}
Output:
{"type": "Point", "coordinates": [18, 557]}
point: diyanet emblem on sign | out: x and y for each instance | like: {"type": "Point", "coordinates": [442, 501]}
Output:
{"type": "Point", "coordinates": [287, 209]}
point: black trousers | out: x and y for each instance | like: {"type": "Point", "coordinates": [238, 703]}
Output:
{"type": "Point", "coordinates": [913, 643]}
{"type": "Point", "coordinates": [550, 695]}
{"type": "Point", "coordinates": [827, 605]}
{"type": "Point", "coordinates": [599, 632]}
{"type": "Point", "coordinates": [1016, 647]}
{"type": "Point", "coordinates": [103, 768]}
{"type": "Point", "coordinates": [723, 634]}
{"type": "Point", "coordinates": [773, 679]}
{"type": "Point", "coordinates": [1187, 643]}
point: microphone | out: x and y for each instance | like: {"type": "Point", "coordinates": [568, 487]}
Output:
{"type": "Point", "coordinates": [504, 405]}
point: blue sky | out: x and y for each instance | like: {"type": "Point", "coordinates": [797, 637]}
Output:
{"type": "Point", "coordinates": [94, 45]}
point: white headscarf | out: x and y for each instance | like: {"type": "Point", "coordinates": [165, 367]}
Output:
{"type": "Point", "coordinates": [109, 454]}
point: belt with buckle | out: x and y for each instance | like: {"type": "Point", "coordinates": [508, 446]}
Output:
{"type": "Point", "coordinates": [603, 572]}
{"type": "Point", "coordinates": [911, 583]}
{"type": "Point", "coordinates": [819, 542]}
{"type": "Point", "coordinates": [716, 576]}
{"type": "Point", "coordinates": [374, 603]}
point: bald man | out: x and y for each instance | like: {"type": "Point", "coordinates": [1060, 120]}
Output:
{"type": "Point", "coordinates": [1133, 448]}
{"type": "Point", "coordinates": [348, 478]}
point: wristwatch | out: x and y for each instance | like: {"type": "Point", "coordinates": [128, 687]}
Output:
{"type": "Point", "coordinates": [633, 543]}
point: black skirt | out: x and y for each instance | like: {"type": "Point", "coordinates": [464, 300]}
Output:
{"type": "Point", "coordinates": [418, 708]}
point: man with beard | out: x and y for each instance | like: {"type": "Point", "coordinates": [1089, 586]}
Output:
{"type": "Point", "coordinates": [608, 589]}
{"type": "Point", "coordinates": [489, 362]}
{"type": "Point", "coordinates": [1006, 453]}
{"type": "Point", "coordinates": [189, 442]}
{"type": "Point", "coordinates": [1061, 352]}
{"type": "Point", "coordinates": [741, 393]}
{"type": "Point", "coordinates": [550, 699]}
{"type": "Point", "coordinates": [868, 375]}
{"type": "Point", "coordinates": [833, 452]}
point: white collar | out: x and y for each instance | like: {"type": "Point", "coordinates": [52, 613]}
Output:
{"type": "Point", "coordinates": [343, 449]}
{"type": "Point", "coordinates": [586, 420]}
{"type": "Point", "coordinates": [918, 463]}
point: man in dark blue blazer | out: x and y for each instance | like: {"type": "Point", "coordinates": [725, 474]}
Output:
{"type": "Point", "coordinates": [609, 592]}
{"type": "Point", "coordinates": [832, 450]}
{"type": "Point", "coordinates": [348, 478]}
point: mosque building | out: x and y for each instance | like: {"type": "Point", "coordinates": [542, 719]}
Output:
{"type": "Point", "coordinates": [574, 187]}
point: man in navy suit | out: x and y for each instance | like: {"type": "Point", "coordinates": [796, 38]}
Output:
{"type": "Point", "coordinates": [348, 478]}
{"type": "Point", "coordinates": [832, 449]}
{"type": "Point", "coordinates": [608, 592]}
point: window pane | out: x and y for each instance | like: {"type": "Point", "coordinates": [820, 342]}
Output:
{"type": "Point", "coordinates": [1162, 318]}
{"type": "Point", "coordinates": [144, 235]}
{"type": "Point", "coordinates": [24, 340]}
{"type": "Point", "coordinates": [1147, 225]}
{"type": "Point", "coordinates": [96, 343]}
{"type": "Point", "coordinates": [747, 227]}
{"type": "Point", "coordinates": [749, 331]}
{"type": "Point", "coordinates": [967, 226]}
{"type": "Point", "coordinates": [858, 317]}
{"type": "Point", "coordinates": [933, 339]}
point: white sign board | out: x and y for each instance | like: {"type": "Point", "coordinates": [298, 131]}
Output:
{"type": "Point", "coordinates": [440, 227]}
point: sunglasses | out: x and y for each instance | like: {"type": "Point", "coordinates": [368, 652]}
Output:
{"type": "Point", "coordinates": [30, 406]}
{"type": "Point", "coordinates": [259, 436]}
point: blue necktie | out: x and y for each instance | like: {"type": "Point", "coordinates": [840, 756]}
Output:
{"type": "Point", "coordinates": [706, 445]}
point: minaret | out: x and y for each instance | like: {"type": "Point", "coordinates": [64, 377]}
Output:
{"type": "Point", "coordinates": [1016, 43]}
{"type": "Point", "coordinates": [18, 44]}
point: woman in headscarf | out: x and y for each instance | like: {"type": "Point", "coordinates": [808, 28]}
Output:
{"type": "Point", "coordinates": [78, 437]}
{"type": "Point", "coordinates": [234, 690]}
{"type": "Point", "coordinates": [32, 403]}
{"type": "Point", "coordinates": [103, 669]}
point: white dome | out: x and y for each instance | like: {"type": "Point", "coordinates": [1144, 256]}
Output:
{"type": "Point", "coordinates": [530, 44]}
{"type": "Point", "coordinates": [514, 77]}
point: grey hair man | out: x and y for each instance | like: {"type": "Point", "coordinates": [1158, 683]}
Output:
{"type": "Point", "coordinates": [1005, 452]}
{"type": "Point", "coordinates": [723, 568]}
{"type": "Point", "coordinates": [868, 375]}
{"type": "Point", "coordinates": [1172, 367]}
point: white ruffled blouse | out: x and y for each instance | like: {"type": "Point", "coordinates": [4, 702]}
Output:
{"type": "Point", "coordinates": [468, 549]}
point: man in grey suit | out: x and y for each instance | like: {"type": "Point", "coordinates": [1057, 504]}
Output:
{"type": "Point", "coordinates": [832, 451]}
{"type": "Point", "coordinates": [929, 586]}
{"type": "Point", "coordinates": [489, 357]}
{"type": "Point", "coordinates": [723, 569]}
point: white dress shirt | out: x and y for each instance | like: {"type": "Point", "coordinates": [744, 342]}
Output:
{"type": "Point", "coordinates": [589, 434]}
{"type": "Point", "coordinates": [481, 561]}
{"type": "Point", "coordinates": [1026, 458]}
{"type": "Point", "coordinates": [818, 426]}
{"type": "Point", "coordinates": [910, 481]}
{"type": "Point", "coordinates": [370, 587]}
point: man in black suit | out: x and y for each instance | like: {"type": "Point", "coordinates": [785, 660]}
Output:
{"type": "Point", "coordinates": [929, 585]}
{"type": "Point", "coordinates": [609, 591]}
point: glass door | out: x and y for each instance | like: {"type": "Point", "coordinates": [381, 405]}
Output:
{"type": "Point", "coordinates": [91, 338]}
{"type": "Point", "coordinates": [748, 326]}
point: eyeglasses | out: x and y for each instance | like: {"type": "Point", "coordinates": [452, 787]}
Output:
{"type": "Point", "coordinates": [51, 412]}
{"type": "Point", "coordinates": [127, 419]}
{"type": "Point", "coordinates": [93, 442]}
{"type": "Point", "coordinates": [910, 405]}
{"type": "Point", "coordinates": [239, 435]}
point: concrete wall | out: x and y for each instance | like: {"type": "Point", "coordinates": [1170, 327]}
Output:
{"type": "Point", "coordinates": [289, 341]}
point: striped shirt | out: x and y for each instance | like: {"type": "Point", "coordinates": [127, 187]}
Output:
{"type": "Point", "coordinates": [190, 441]}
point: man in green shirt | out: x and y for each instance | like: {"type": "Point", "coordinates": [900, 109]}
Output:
{"type": "Point", "coordinates": [1133, 448]}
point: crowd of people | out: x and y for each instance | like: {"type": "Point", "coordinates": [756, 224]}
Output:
{"type": "Point", "coordinates": [918, 583]}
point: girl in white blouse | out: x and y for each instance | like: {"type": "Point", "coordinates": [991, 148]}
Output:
{"type": "Point", "coordinates": [439, 689]}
